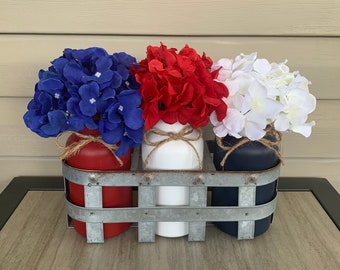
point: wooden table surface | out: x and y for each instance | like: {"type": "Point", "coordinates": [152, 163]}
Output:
{"type": "Point", "coordinates": [302, 236]}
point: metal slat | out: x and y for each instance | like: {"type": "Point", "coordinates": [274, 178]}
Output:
{"type": "Point", "coordinates": [146, 198]}
{"type": "Point", "coordinates": [93, 199]}
{"type": "Point", "coordinates": [166, 178]}
{"type": "Point", "coordinates": [246, 197]}
{"type": "Point", "coordinates": [198, 198]}
{"type": "Point", "coordinates": [167, 213]}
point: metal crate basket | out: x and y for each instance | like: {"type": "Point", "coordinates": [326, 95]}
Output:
{"type": "Point", "coordinates": [197, 213]}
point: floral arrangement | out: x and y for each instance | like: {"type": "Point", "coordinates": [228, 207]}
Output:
{"type": "Point", "coordinates": [179, 86]}
{"type": "Point", "coordinates": [88, 88]}
{"type": "Point", "coordinates": [262, 94]}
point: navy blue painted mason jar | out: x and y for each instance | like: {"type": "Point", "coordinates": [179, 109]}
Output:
{"type": "Point", "coordinates": [251, 156]}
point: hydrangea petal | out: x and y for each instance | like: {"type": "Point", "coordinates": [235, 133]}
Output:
{"type": "Point", "coordinates": [88, 91]}
{"type": "Point", "coordinates": [103, 63]}
{"type": "Point", "coordinates": [133, 118]}
{"type": "Point", "coordinates": [136, 135]}
{"type": "Point", "coordinates": [262, 66]}
{"type": "Point", "coordinates": [123, 147]}
{"type": "Point", "coordinates": [213, 119]}
{"type": "Point", "coordinates": [281, 123]}
{"type": "Point", "coordinates": [34, 121]}
{"type": "Point", "coordinates": [123, 71]}
{"type": "Point", "coordinates": [72, 72]}
{"type": "Point", "coordinates": [130, 98]}
{"type": "Point", "coordinates": [116, 79]}
{"type": "Point", "coordinates": [87, 108]}
{"type": "Point", "coordinates": [50, 85]}
{"type": "Point", "coordinates": [76, 123]}
{"type": "Point", "coordinates": [305, 129]}
{"type": "Point", "coordinates": [45, 102]}
{"type": "Point", "coordinates": [234, 122]}
{"type": "Point", "coordinates": [59, 64]}
{"type": "Point", "coordinates": [220, 131]}
{"type": "Point", "coordinates": [113, 116]}
{"type": "Point", "coordinates": [253, 131]}
{"type": "Point", "coordinates": [57, 123]}
{"type": "Point", "coordinates": [113, 136]}
{"type": "Point", "coordinates": [125, 59]}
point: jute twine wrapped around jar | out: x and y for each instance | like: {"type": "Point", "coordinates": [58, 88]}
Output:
{"type": "Point", "coordinates": [172, 136]}
{"type": "Point", "coordinates": [75, 147]}
{"type": "Point", "coordinates": [273, 145]}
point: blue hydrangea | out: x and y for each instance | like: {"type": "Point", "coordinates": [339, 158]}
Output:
{"type": "Point", "coordinates": [88, 88]}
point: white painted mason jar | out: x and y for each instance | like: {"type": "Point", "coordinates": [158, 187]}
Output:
{"type": "Point", "coordinates": [173, 155]}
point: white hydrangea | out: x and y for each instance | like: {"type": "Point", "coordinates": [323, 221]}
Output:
{"type": "Point", "coordinates": [261, 94]}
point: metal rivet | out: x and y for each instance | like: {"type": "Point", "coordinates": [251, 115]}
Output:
{"type": "Point", "coordinates": [93, 178]}
{"type": "Point", "coordinates": [147, 179]}
{"type": "Point", "coordinates": [252, 179]}
{"type": "Point", "coordinates": [198, 180]}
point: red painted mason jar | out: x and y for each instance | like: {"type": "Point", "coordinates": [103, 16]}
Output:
{"type": "Point", "coordinates": [96, 156]}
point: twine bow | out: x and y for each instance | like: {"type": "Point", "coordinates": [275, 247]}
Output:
{"type": "Point", "coordinates": [75, 147]}
{"type": "Point", "coordinates": [273, 145]}
{"type": "Point", "coordinates": [171, 136]}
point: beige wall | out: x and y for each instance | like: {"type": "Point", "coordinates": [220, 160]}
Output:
{"type": "Point", "coordinates": [307, 33]}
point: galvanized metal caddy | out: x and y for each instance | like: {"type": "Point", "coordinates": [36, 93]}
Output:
{"type": "Point", "coordinates": [197, 213]}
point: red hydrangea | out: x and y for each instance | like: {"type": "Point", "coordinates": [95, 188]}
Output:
{"type": "Point", "coordinates": [179, 87]}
